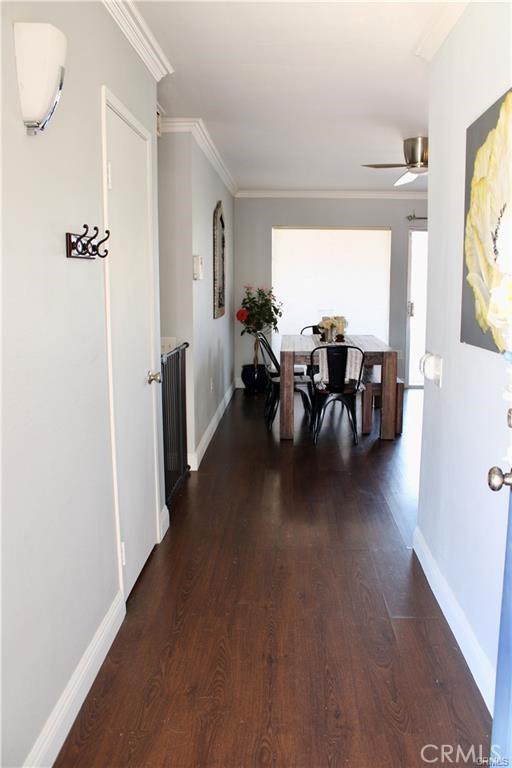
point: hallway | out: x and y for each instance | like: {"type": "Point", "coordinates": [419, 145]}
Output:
{"type": "Point", "coordinates": [284, 619]}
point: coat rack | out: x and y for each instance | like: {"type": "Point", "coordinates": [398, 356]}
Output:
{"type": "Point", "coordinates": [83, 246]}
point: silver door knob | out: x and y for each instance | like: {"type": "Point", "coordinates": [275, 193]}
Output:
{"type": "Point", "coordinates": [154, 377]}
{"type": "Point", "coordinates": [496, 479]}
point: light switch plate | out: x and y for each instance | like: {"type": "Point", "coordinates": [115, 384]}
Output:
{"type": "Point", "coordinates": [198, 267]}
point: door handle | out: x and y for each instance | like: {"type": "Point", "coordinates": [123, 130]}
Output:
{"type": "Point", "coordinates": [154, 377]}
{"type": "Point", "coordinates": [496, 479]}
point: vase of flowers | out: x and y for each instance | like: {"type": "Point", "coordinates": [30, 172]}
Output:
{"type": "Point", "coordinates": [333, 328]}
{"type": "Point", "coordinates": [259, 312]}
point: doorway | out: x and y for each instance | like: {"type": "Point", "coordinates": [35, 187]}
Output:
{"type": "Point", "coordinates": [130, 306]}
{"type": "Point", "coordinates": [416, 305]}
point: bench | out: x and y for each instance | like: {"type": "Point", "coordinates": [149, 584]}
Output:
{"type": "Point", "coordinates": [373, 392]}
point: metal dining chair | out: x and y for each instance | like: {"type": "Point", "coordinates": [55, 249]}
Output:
{"type": "Point", "coordinates": [337, 388]}
{"type": "Point", "coordinates": [273, 391]}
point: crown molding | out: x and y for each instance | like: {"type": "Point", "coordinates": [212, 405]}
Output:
{"type": "Point", "coordinates": [334, 194]}
{"type": "Point", "coordinates": [197, 128]}
{"type": "Point", "coordinates": [137, 32]}
{"type": "Point", "coordinates": [448, 16]}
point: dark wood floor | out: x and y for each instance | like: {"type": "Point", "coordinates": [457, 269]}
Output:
{"type": "Point", "coordinates": [284, 621]}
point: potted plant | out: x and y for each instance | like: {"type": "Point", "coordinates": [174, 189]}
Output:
{"type": "Point", "coordinates": [259, 312]}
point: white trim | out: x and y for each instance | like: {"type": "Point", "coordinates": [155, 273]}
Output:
{"type": "Point", "coordinates": [477, 660]}
{"type": "Point", "coordinates": [109, 101]}
{"type": "Point", "coordinates": [164, 521]}
{"type": "Point", "coordinates": [197, 128]}
{"type": "Point", "coordinates": [334, 194]}
{"type": "Point", "coordinates": [56, 728]}
{"type": "Point", "coordinates": [239, 383]}
{"type": "Point", "coordinates": [194, 459]}
{"type": "Point", "coordinates": [449, 14]}
{"type": "Point", "coordinates": [135, 29]}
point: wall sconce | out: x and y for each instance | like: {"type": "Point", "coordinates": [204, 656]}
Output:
{"type": "Point", "coordinates": [40, 55]}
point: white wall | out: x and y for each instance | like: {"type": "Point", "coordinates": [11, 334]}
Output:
{"type": "Point", "coordinates": [317, 272]}
{"type": "Point", "coordinates": [255, 218]}
{"type": "Point", "coordinates": [189, 189]}
{"type": "Point", "coordinates": [60, 575]}
{"type": "Point", "coordinates": [461, 524]}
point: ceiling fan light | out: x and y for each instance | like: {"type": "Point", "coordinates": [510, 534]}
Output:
{"type": "Point", "coordinates": [416, 151]}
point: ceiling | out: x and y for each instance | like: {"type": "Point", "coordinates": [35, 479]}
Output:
{"type": "Point", "coordinates": [296, 96]}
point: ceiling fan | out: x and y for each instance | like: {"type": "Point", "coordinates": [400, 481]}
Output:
{"type": "Point", "coordinates": [416, 160]}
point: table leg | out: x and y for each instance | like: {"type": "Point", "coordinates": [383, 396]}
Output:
{"type": "Point", "coordinates": [388, 412]}
{"type": "Point", "coordinates": [286, 415]}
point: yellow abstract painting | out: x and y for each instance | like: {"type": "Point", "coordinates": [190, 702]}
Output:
{"type": "Point", "coordinates": [488, 227]}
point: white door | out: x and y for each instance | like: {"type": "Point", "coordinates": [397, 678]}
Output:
{"type": "Point", "coordinates": [417, 304]}
{"type": "Point", "coordinates": [130, 320]}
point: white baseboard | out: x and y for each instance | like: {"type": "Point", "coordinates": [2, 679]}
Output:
{"type": "Point", "coordinates": [477, 660]}
{"type": "Point", "coordinates": [239, 383]}
{"type": "Point", "coordinates": [194, 459]}
{"type": "Point", "coordinates": [56, 728]}
{"type": "Point", "coordinates": [163, 522]}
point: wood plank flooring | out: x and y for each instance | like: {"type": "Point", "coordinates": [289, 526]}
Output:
{"type": "Point", "coordinates": [284, 621]}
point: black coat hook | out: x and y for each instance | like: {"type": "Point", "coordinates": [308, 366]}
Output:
{"type": "Point", "coordinates": [83, 246]}
{"type": "Point", "coordinates": [100, 242]}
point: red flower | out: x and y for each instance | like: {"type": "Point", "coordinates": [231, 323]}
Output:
{"type": "Point", "coordinates": [242, 315]}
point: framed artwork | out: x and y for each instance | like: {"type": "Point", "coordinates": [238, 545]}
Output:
{"type": "Point", "coordinates": [488, 221]}
{"type": "Point", "coordinates": [219, 255]}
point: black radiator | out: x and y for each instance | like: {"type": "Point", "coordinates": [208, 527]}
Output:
{"type": "Point", "coordinates": [174, 406]}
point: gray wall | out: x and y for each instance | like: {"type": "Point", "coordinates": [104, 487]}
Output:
{"type": "Point", "coordinates": [59, 556]}
{"type": "Point", "coordinates": [213, 338]}
{"type": "Point", "coordinates": [189, 189]}
{"type": "Point", "coordinates": [461, 524]}
{"type": "Point", "coordinates": [175, 238]}
{"type": "Point", "coordinates": [254, 219]}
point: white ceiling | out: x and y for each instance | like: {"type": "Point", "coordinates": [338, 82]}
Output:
{"type": "Point", "coordinates": [297, 95]}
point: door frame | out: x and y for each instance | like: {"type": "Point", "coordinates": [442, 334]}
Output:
{"type": "Point", "coordinates": [407, 317]}
{"type": "Point", "coordinates": [110, 101]}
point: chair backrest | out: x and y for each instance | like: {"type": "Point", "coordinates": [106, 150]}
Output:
{"type": "Point", "coordinates": [337, 359]}
{"type": "Point", "coordinates": [268, 352]}
{"type": "Point", "coordinates": [314, 329]}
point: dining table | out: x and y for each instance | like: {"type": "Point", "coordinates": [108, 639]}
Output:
{"type": "Point", "coordinates": [296, 349]}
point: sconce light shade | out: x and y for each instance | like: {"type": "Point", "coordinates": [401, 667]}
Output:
{"type": "Point", "coordinates": [40, 56]}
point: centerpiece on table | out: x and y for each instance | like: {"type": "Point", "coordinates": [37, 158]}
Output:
{"type": "Point", "coordinates": [259, 312]}
{"type": "Point", "coordinates": [333, 328]}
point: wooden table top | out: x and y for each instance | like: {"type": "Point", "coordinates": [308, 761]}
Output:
{"type": "Point", "coordinates": [307, 343]}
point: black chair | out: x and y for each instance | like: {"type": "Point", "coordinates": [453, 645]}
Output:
{"type": "Point", "coordinates": [337, 388]}
{"type": "Point", "coordinates": [273, 391]}
{"type": "Point", "coordinates": [316, 331]}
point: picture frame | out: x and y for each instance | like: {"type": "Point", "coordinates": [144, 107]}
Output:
{"type": "Point", "coordinates": [488, 208]}
{"type": "Point", "coordinates": [219, 259]}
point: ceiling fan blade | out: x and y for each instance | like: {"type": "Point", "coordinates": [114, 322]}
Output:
{"type": "Point", "coordinates": [405, 178]}
{"type": "Point", "coordinates": [386, 165]}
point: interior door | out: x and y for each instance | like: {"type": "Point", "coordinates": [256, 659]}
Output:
{"type": "Point", "coordinates": [417, 305]}
{"type": "Point", "coordinates": [130, 302]}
